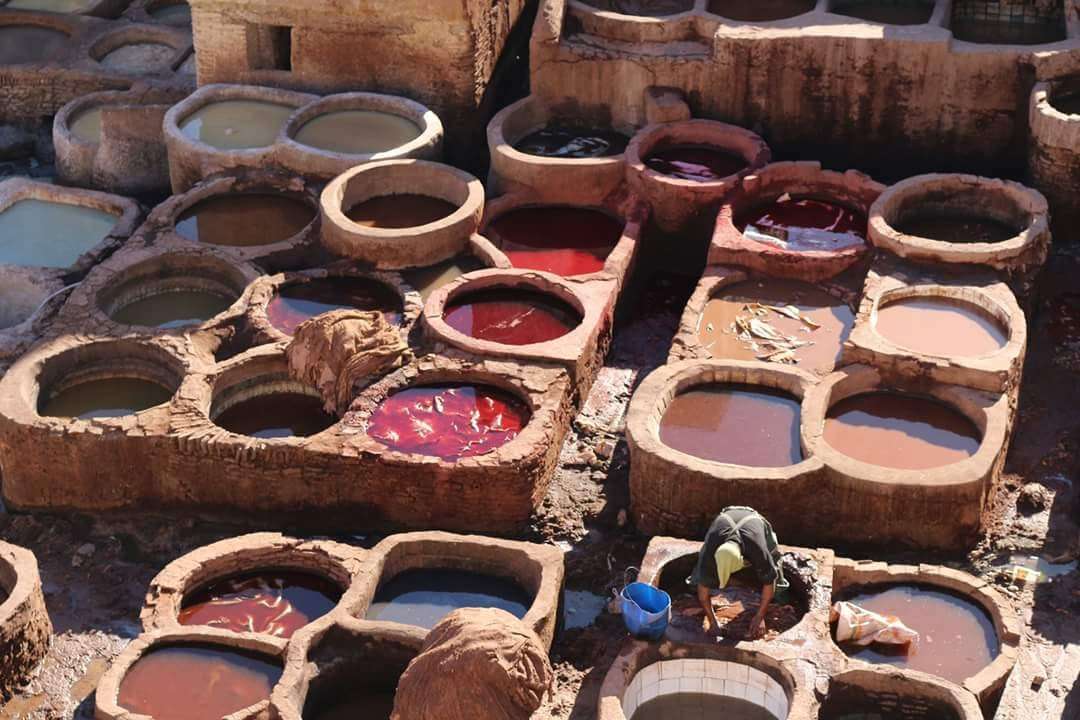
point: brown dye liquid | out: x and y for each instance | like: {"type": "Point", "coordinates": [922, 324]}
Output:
{"type": "Point", "coordinates": [699, 706]}
{"type": "Point", "coordinates": [277, 415]}
{"type": "Point", "coordinates": [736, 424]}
{"type": "Point", "coordinates": [30, 44]}
{"type": "Point", "coordinates": [356, 704]}
{"type": "Point", "coordinates": [760, 10]}
{"type": "Point", "coordinates": [244, 219]}
{"type": "Point", "coordinates": [998, 32]}
{"type": "Point", "coordinates": [956, 636]}
{"type": "Point", "coordinates": [906, 432]}
{"type": "Point", "coordinates": [834, 319]}
{"type": "Point", "coordinates": [940, 326]}
{"type": "Point", "coordinates": [357, 132]}
{"type": "Point", "coordinates": [1068, 104]}
{"type": "Point", "coordinates": [196, 682]}
{"type": "Point", "coordinates": [173, 309]}
{"type": "Point", "coordinates": [887, 13]}
{"type": "Point", "coordinates": [87, 125]}
{"type": "Point", "coordinates": [643, 8]}
{"type": "Point", "coordinates": [404, 210]}
{"type": "Point", "coordinates": [957, 228]}
{"type": "Point", "coordinates": [427, 280]}
{"type": "Point", "coordinates": [106, 398]}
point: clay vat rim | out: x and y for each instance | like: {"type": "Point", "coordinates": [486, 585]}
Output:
{"type": "Point", "coordinates": [237, 384]}
{"type": "Point", "coordinates": [990, 421]}
{"type": "Point", "coordinates": [501, 143]}
{"type": "Point", "coordinates": [652, 398]}
{"type": "Point", "coordinates": [22, 564]}
{"type": "Point", "coordinates": [65, 23]}
{"type": "Point", "coordinates": [479, 249]}
{"type": "Point", "coordinates": [107, 697]}
{"type": "Point", "coordinates": [613, 15]}
{"type": "Point", "coordinates": [992, 309]}
{"type": "Point", "coordinates": [136, 34]}
{"type": "Point", "coordinates": [221, 187]}
{"type": "Point", "coordinates": [109, 298]}
{"type": "Point", "coordinates": [900, 198]}
{"type": "Point", "coordinates": [962, 703]}
{"type": "Point", "coordinates": [333, 198]}
{"type": "Point", "coordinates": [149, 362]}
{"type": "Point", "coordinates": [528, 281]}
{"type": "Point", "coordinates": [427, 122]}
{"type": "Point", "coordinates": [728, 138]}
{"type": "Point", "coordinates": [70, 112]}
{"type": "Point", "coordinates": [223, 92]}
{"type": "Point", "coordinates": [266, 288]}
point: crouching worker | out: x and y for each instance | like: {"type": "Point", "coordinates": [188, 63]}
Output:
{"type": "Point", "coordinates": [738, 538]}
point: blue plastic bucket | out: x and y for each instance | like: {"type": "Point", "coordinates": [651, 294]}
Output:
{"type": "Point", "coordinates": [646, 610]}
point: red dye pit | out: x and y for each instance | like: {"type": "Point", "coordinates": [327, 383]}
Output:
{"type": "Point", "coordinates": [196, 682]}
{"type": "Point", "coordinates": [274, 603]}
{"type": "Point", "coordinates": [563, 240]}
{"type": "Point", "coordinates": [511, 317]}
{"type": "Point", "coordinates": [572, 142]}
{"type": "Point", "coordinates": [804, 224]}
{"type": "Point", "coordinates": [293, 304]}
{"type": "Point", "coordinates": [956, 636]}
{"type": "Point", "coordinates": [700, 163]}
{"type": "Point", "coordinates": [448, 421]}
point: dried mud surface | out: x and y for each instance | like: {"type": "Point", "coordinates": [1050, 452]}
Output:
{"type": "Point", "coordinates": [96, 569]}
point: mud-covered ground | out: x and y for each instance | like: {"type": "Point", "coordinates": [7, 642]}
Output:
{"type": "Point", "coordinates": [95, 569]}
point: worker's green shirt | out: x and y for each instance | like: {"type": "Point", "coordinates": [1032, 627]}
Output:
{"type": "Point", "coordinates": [755, 538]}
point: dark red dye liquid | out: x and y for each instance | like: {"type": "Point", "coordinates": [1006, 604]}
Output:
{"type": "Point", "coordinates": [572, 142]}
{"type": "Point", "coordinates": [278, 415]}
{"type": "Point", "coordinates": [700, 163]}
{"type": "Point", "coordinates": [276, 603]}
{"type": "Point", "coordinates": [563, 240]}
{"type": "Point", "coordinates": [511, 317]}
{"type": "Point", "coordinates": [196, 682]}
{"type": "Point", "coordinates": [806, 213]}
{"type": "Point", "coordinates": [296, 303]}
{"type": "Point", "coordinates": [448, 421]}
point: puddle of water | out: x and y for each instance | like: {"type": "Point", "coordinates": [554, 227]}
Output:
{"type": "Point", "coordinates": [1047, 571]}
{"type": "Point", "coordinates": [581, 608]}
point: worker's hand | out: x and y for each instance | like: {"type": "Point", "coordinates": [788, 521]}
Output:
{"type": "Point", "coordinates": [757, 627]}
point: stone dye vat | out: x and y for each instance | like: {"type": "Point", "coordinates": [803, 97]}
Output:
{"type": "Point", "coordinates": [968, 636]}
{"type": "Point", "coordinates": [284, 410]}
{"type": "Point", "coordinates": [795, 220]}
{"type": "Point", "coordinates": [941, 328]}
{"type": "Point", "coordinates": [527, 315]}
{"type": "Point", "coordinates": [397, 214]}
{"type": "Point", "coordinates": [229, 127]}
{"type": "Point", "coordinates": [547, 150]}
{"type": "Point", "coordinates": [681, 477]}
{"type": "Point", "coordinates": [1053, 163]}
{"type": "Point", "coordinates": [964, 222]}
{"type": "Point", "coordinates": [809, 323]}
{"type": "Point", "coordinates": [24, 44]}
{"type": "Point", "coordinates": [244, 220]}
{"type": "Point", "coordinates": [855, 694]}
{"type": "Point", "coordinates": [141, 50]}
{"type": "Point", "coordinates": [683, 168]}
{"type": "Point", "coordinates": [27, 630]}
{"type": "Point", "coordinates": [423, 597]}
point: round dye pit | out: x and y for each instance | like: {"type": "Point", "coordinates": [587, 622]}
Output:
{"type": "Point", "coordinates": [172, 14]}
{"type": "Point", "coordinates": [814, 334]}
{"type": "Point", "coordinates": [351, 704]}
{"type": "Point", "coordinates": [424, 597]}
{"type": "Point", "coordinates": [275, 415]}
{"type": "Point", "coordinates": [357, 132]}
{"type": "Point", "coordinates": [237, 124]}
{"type": "Point", "coordinates": [699, 163]}
{"type": "Point", "coordinates": [55, 6]}
{"type": "Point", "coordinates": [956, 227]}
{"type": "Point", "coordinates": [298, 302]}
{"type": "Point", "coordinates": [851, 702]}
{"type": "Point", "coordinates": [1006, 31]}
{"type": "Point", "coordinates": [404, 210]}
{"type": "Point", "coordinates": [143, 58]}
{"type": "Point", "coordinates": [244, 219]}
{"type": "Point", "coordinates": [196, 682]}
{"type": "Point", "coordinates": [643, 8]}
{"type": "Point", "coordinates": [511, 316]}
{"type": "Point", "coordinates": [734, 424]}
{"type": "Point", "coordinates": [171, 309]}
{"type": "Point", "coordinates": [30, 44]}
{"type": "Point", "coordinates": [50, 234]}
{"type": "Point", "coordinates": [448, 421]}
{"type": "Point", "coordinates": [760, 11]}
{"type": "Point", "coordinates": [690, 688]}
{"type": "Point", "coordinates": [276, 603]}
{"type": "Point", "coordinates": [573, 142]}
{"type": "Point", "coordinates": [901, 431]}
{"type": "Point", "coordinates": [804, 224]}
{"type": "Point", "coordinates": [887, 12]}
{"type": "Point", "coordinates": [427, 280]}
{"type": "Point", "coordinates": [940, 326]}
{"type": "Point", "coordinates": [87, 125]}
{"type": "Point", "coordinates": [104, 398]}
{"type": "Point", "coordinates": [563, 240]}
{"type": "Point", "coordinates": [1068, 103]}
{"type": "Point", "coordinates": [686, 705]}
{"type": "Point", "coordinates": [956, 636]}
